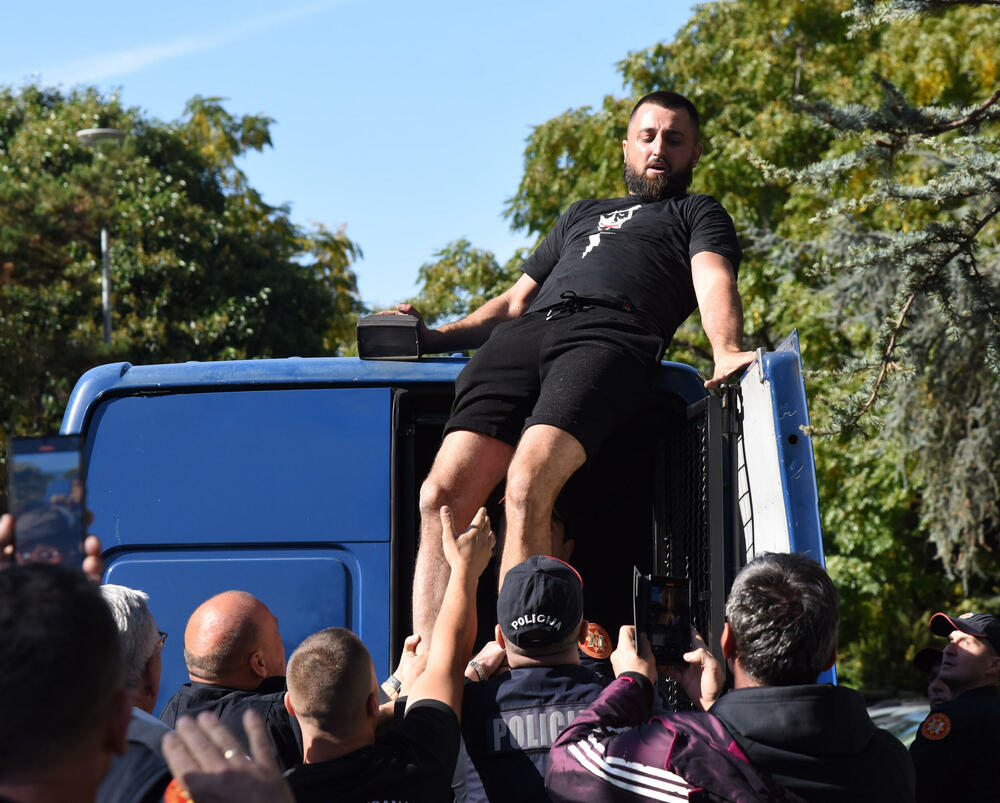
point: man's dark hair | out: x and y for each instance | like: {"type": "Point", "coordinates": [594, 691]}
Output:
{"type": "Point", "coordinates": [60, 665]}
{"type": "Point", "coordinates": [670, 100]}
{"type": "Point", "coordinates": [783, 613]}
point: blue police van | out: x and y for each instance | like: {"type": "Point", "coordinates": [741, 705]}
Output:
{"type": "Point", "coordinates": [297, 480]}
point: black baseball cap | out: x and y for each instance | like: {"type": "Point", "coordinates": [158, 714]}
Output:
{"type": "Point", "coordinates": [541, 602]}
{"type": "Point", "coordinates": [926, 658]}
{"type": "Point", "coordinates": [980, 625]}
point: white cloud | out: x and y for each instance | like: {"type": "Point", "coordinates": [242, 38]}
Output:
{"type": "Point", "coordinates": [106, 66]}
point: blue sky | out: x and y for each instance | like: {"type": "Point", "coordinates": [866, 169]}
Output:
{"type": "Point", "coordinates": [405, 121]}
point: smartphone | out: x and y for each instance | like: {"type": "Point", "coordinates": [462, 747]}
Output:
{"type": "Point", "coordinates": [46, 497]}
{"type": "Point", "coordinates": [662, 609]}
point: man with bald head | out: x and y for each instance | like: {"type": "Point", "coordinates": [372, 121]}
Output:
{"type": "Point", "coordinates": [236, 660]}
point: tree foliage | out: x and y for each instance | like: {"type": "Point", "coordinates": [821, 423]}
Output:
{"type": "Point", "coordinates": [202, 268]}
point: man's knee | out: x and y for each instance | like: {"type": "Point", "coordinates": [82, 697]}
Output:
{"type": "Point", "coordinates": [522, 492]}
{"type": "Point", "coordinates": [433, 494]}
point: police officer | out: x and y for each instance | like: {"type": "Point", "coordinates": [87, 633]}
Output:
{"type": "Point", "coordinates": [955, 751]}
{"type": "Point", "coordinates": [510, 720]}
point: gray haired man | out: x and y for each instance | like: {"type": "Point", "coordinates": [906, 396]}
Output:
{"type": "Point", "coordinates": [141, 774]}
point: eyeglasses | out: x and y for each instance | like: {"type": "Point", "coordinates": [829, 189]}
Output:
{"type": "Point", "coordinates": [163, 639]}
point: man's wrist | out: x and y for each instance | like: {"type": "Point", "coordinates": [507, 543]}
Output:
{"type": "Point", "coordinates": [391, 686]}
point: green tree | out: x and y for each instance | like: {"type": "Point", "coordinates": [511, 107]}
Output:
{"type": "Point", "coordinates": [202, 268]}
{"type": "Point", "coordinates": [909, 202]}
{"type": "Point", "coordinates": [460, 279]}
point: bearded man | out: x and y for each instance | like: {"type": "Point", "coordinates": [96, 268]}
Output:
{"type": "Point", "coordinates": [567, 353]}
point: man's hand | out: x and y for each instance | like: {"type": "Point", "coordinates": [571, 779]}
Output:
{"type": "Point", "coordinates": [93, 563]}
{"type": "Point", "coordinates": [626, 658]}
{"type": "Point", "coordinates": [6, 540]}
{"type": "Point", "coordinates": [702, 676]}
{"type": "Point", "coordinates": [473, 548]}
{"type": "Point", "coordinates": [411, 664]}
{"type": "Point", "coordinates": [492, 658]}
{"type": "Point", "coordinates": [211, 765]}
{"type": "Point", "coordinates": [727, 366]}
{"type": "Point", "coordinates": [427, 337]}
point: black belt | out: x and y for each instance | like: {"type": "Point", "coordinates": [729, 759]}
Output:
{"type": "Point", "coordinates": [573, 303]}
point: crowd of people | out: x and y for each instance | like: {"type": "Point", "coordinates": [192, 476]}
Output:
{"type": "Point", "coordinates": [546, 710]}
{"type": "Point", "coordinates": [530, 717]}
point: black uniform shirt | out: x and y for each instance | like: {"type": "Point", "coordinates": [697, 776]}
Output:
{"type": "Point", "coordinates": [412, 763]}
{"type": "Point", "coordinates": [956, 753]}
{"type": "Point", "coordinates": [509, 723]}
{"type": "Point", "coordinates": [268, 699]}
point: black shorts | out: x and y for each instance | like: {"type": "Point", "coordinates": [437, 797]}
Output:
{"type": "Point", "coordinates": [584, 373]}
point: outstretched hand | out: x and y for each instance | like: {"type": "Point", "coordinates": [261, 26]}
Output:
{"type": "Point", "coordinates": [702, 676]}
{"type": "Point", "coordinates": [411, 663]}
{"type": "Point", "coordinates": [473, 548]}
{"type": "Point", "coordinates": [627, 658]}
{"type": "Point", "coordinates": [492, 658]}
{"type": "Point", "coordinates": [728, 366]}
{"type": "Point", "coordinates": [209, 762]}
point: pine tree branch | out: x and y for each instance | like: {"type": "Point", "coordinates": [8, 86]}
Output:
{"type": "Point", "coordinates": [886, 362]}
{"type": "Point", "coordinates": [969, 119]}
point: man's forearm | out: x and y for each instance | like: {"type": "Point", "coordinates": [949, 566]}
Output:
{"type": "Point", "coordinates": [722, 315]}
{"type": "Point", "coordinates": [455, 628]}
{"type": "Point", "coordinates": [471, 331]}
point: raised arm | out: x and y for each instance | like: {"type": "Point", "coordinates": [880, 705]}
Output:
{"type": "Point", "coordinates": [721, 314]}
{"type": "Point", "coordinates": [455, 628]}
{"type": "Point", "coordinates": [471, 331]}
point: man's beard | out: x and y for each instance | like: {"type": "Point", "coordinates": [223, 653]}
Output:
{"type": "Point", "coordinates": [648, 190]}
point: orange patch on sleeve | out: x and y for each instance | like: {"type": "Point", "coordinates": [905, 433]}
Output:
{"type": "Point", "coordinates": [936, 727]}
{"type": "Point", "coordinates": [597, 642]}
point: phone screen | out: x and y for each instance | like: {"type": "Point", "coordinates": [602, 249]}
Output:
{"type": "Point", "coordinates": [47, 499]}
{"type": "Point", "coordinates": [663, 613]}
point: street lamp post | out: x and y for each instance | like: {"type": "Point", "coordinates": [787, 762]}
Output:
{"type": "Point", "coordinates": [92, 138]}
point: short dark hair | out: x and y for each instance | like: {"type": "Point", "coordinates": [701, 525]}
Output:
{"type": "Point", "coordinates": [670, 100]}
{"type": "Point", "coordinates": [783, 614]}
{"type": "Point", "coordinates": [60, 664]}
{"type": "Point", "coordinates": [329, 678]}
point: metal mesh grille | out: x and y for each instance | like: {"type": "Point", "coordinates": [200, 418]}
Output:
{"type": "Point", "coordinates": [685, 549]}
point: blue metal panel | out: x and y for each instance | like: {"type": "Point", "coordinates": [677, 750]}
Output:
{"type": "Point", "coordinates": [123, 378]}
{"type": "Point", "coordinates": [681, 379]}
{"type": "Point", "coordinates": [783, 368]}
{"type": "Point", "coordinates": [307, 589]}
{"type": "Point", "coordinates": [299, 465]}
{"type": "Point", "coordinates": [282, 493]}
{"type": "Point", "coordinates": [126, 379]}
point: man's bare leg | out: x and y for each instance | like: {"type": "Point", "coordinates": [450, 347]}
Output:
{"type": "Point", "coordinates": [467, 468]}
{"type": "Point", "coordinates": [545, 459]}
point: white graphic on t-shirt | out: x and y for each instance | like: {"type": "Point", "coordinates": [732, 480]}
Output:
{"type": "Point", "coordinates": [610, 222]}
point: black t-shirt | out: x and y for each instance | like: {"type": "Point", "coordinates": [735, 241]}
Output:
{"type": "Point", "coordinates": [268, 700]}
{"type": "Point", "coordinates": [413, 763]}
{"type": "Point", "coordinates": [619, 249]}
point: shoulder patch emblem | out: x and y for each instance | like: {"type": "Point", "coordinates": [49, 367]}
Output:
{"type": "Point", "coordinates": [597, 642]}
{"type": "Point", "coordinates": [936, 727]}
{"type": "Point", "coordinates": [175, 793]}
